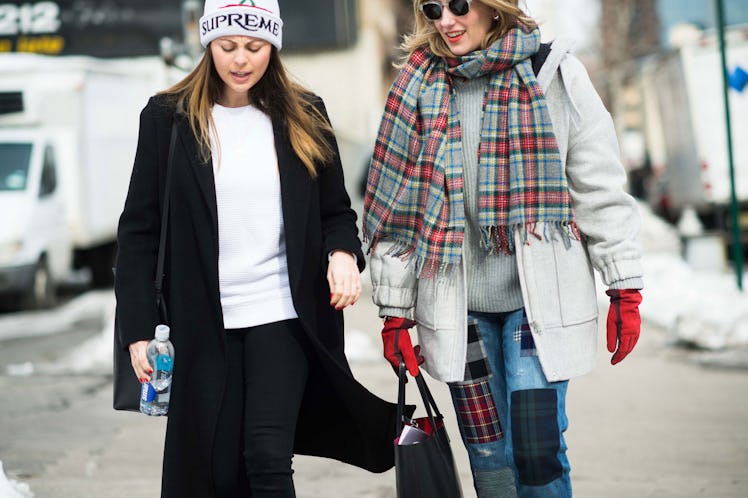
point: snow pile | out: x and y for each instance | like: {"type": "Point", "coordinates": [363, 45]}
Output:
{"type": "Point", "coordinates": [10, 488]}
{"type": "Point", "coordinates": [359, 348]}
{"type": "Point", "coordinates": [656, 235]}
{"type": "Point", "coordinates": [93, 355]}
{"type": "Point", "coordinates": [39, 323]}
{"type": "Point", "coordinates": [703, 308]}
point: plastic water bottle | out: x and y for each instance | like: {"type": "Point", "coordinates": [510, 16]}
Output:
{"type": "Point", "coordinates": [154, 395]}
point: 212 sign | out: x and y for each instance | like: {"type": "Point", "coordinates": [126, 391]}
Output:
{"type": "Point", "coordinates": [29, 18]}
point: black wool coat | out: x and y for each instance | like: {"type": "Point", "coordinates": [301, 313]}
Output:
{"type": "Point", "coordinates": [339, 418]}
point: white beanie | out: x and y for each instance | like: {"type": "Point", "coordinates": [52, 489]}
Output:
{"type": "Point", "coordinates": [256, 18]}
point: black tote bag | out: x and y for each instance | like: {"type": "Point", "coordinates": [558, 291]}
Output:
{"type": "Point", "coordinates": [125, 386]}
{"type": "Point", "coordinates": [424, 469]}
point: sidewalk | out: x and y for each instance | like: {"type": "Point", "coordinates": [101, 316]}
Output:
{"type": "Point", "coordinates": [657, 425]}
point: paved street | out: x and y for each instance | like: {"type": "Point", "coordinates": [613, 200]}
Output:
{"type": "Point", "coordinates": [658, 425]}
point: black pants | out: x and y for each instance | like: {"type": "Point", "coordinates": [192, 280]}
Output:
{"type": "Point", "coordinates": [267, 372]}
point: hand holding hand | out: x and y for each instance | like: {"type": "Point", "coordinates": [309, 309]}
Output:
{"type": "Point", "coordinates": [395, 331]}
{"type": "Point", "coordinates": [344, 279]}
{"type": "Point", "coordinates": [139, 361]}
{"type": "Point", "coordinates": [624, 322]}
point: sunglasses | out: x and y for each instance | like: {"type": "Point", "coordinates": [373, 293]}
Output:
{"type": "Point", "coordinates": [433, 10]}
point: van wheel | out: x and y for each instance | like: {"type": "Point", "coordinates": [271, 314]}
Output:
{"type": "Point", "coordinates": [41, 295]}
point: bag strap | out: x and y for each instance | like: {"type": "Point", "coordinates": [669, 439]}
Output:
{"type": "Point", "coordinates": [400, 401]}
{"type": "Point", "coordinates": [160, 301]}
{"type": "Point", "coordinates": [538, 58]}
{"type": "Point", "coordinates": [428, 400]}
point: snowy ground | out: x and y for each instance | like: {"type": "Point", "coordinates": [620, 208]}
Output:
{"type": "Point", "coordinates": [10, 488]}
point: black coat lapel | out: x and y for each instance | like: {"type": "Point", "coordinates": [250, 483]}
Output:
{"type": "Point", "coordinates": [295, 184]}
{"type": "Point", "coordinates": [204, 212]}
{"type": "Point", "coordinates": [203, 171]}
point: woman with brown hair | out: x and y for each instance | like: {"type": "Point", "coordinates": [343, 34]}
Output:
{"type": "Point", "coordinates": [262, 256]}
{"type": "Point", "coordinates": [492, 194]}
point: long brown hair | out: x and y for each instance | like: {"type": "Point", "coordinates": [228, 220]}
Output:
{"type": "Point", "coordinates": [424, 32]}
{"type": "Point", "coordinates": [274, 94]}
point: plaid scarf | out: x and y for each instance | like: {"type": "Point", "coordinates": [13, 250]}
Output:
{"type": "Point", "coordinates": [414, 192]}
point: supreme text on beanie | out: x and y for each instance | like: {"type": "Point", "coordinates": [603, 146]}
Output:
{"type": "Point", "coordinates": [256, 18]}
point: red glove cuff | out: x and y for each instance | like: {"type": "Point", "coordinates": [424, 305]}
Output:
{"type": "Point", "coordinates": [630, 296]}
{"type": "Point", "coordinates": [397, 322]}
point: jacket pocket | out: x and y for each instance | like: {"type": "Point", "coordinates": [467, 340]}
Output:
{"type": "Point", "coordinates": [575, 283]}
{"type": "Point", "coordinates": [436, 304]}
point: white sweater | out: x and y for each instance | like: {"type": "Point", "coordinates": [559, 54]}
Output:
{"type": "Point", "coordinates": [252, 268]}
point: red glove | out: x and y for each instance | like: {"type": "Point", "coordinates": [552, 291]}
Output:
{"type": "Point", "coordinates": [624, 322]}
{"type": "Point", "coordinates": [396, 328]}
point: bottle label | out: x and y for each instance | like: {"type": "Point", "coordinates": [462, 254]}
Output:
{"type": "Point", "coordinates": [164, 362]}
{"type": "Point", "coordinates": [147, 392]}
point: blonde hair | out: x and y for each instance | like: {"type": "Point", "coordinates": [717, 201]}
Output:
{"type": "Point", "coordinates": [274, 94]}
{"type": "Point", "coordinates": [424, 32]}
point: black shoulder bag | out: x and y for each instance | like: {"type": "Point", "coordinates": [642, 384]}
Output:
{"type": "Point", "coordinates": [424, 465]}
{"type": "Point", "coordinates": [126, 388]}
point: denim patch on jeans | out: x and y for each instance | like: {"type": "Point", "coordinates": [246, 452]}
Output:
{"type": "Point", "coordinates": [521, 394]}
{"type": "Point", "coordinates": [476, 411]}
{"type": "Point", "coordinates": [524, 336]}
{"type": "Point", "coordinates": [535, 436]}
{"type": "Point", "coordinates": [476, 361]}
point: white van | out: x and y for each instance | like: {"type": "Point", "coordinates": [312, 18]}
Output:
{"type": "Point", "coordinates": [68, 133]}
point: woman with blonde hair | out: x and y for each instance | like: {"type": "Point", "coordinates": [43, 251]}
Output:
{"type": "Point", "coordinates": [493, 193]}
{"type": "Point", "coordinates": [262, 255]}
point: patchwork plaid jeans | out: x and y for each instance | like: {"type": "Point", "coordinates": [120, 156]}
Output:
{"type": "Point", "coordinates": [509, 415]}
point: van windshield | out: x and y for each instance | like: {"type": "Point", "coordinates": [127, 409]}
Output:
{"type": "Point", "coordinates": [14, 166]}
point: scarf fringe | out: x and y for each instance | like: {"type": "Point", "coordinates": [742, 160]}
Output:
{"type": "Point", "coordinates": [431, 268]}
{"type": "Point", "coordinates": [495, 240]}
{"type": "Point", "coordinates": [500, 239]}
{"type": "Point", "coordinates": [423, 267]}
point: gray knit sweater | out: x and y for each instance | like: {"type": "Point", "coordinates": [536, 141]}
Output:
{"type": "Point", "coordinates": [492, 279]}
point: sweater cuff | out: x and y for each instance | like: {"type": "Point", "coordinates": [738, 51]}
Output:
{"type": "Point", "coordinates": [628, 283]}
{"type": "Point", "coordinates": [386, 311]}
{"type": "Point", "coordinates": [621, 270]}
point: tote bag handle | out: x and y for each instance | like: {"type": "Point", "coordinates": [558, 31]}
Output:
{"type": "Point", "coordinates": [428, 399]}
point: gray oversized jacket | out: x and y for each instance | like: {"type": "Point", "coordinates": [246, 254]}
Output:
{"type": "Point", "coordinates": [557, 282]}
